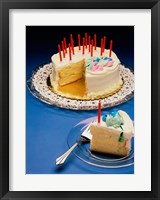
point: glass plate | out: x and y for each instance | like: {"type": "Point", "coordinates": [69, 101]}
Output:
{"type": "Point", "coordinates": [97, 159]}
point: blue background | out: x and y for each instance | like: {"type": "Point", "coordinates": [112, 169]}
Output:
{"type": "Point", "coordinates": [47, 126]}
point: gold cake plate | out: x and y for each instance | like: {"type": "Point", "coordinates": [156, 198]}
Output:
{"type": "Point", "coordinates": [66, 97]}
{"type": "Point", "coordinates": [76, 90]}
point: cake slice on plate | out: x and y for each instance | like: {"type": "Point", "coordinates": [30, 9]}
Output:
{"type": "Point", "coordinates": [113, 134]}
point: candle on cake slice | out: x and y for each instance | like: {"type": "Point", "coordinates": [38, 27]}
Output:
{"type": "Point", "coordinates": [99, 112]}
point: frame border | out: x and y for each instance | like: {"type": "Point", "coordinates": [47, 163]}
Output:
{"type": "Point", "coordinates": [5, 5]}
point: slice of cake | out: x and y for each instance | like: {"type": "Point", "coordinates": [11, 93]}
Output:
{"type": "Point", "coordinates": [113, 134]}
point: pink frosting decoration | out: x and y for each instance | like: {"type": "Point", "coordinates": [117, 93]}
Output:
{"type": "Point", "coordinates": [97, 68]}
{"type": "Point", "coordinates": [94, 68]}
{"type": "Point", "coordinates": [109, 63]}
{"type": "Point", "coordinates": [100, 68]}
{"type": "Point", "coordinates": [95, 63]}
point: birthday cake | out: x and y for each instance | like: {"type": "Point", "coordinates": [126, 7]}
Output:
{"type": "Point", "coordinates": [112, 134]}
{"type": "Point", "coordinates": [85, 71]}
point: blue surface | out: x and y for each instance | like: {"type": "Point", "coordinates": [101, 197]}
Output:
{"type": "Point", "coordinates": [47, 127]}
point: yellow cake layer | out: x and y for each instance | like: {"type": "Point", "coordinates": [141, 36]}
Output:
{"type": "Point", "coordinates": [71, 73]}
{"type": "Point", "coordinates": [76, 88]}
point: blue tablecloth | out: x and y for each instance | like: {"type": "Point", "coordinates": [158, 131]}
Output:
{"type": "Point", "coordinates": [47, 128]}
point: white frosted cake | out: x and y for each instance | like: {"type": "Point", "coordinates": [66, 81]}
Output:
{"type": "Point", "coordinates": [113, 134]}
{"type": "Point", "coordinates": [85, 76]}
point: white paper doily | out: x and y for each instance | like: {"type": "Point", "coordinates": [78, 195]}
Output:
{"type": "Point", "coordinates": [38, 86]}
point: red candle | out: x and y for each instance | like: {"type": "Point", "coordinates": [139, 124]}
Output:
{"type": "Point", "coordinates": [60, 55]}
{"type": "Point", "coordinates": [73, 46]}
{"type": "Point", "coordinates": [79, 41]}
{"type": "Point", "coordinates": [65, 44]}
{"type": "Point", "coordinates": [89, 41]}
{"type": "Point", "coordinates": [91, 48]}
{"type": "Point", "coordinates": [101, 46]}
{"type": "Point", "coordinates": [86, 39]}
{"type": "Point", "coordinates": [99, 112]}
{"type": "Point", "coordinates": [110, 51]}
{"type": "Point", "coordinates": [83, 46]}
{"type": "Point", "coordinates": [70, 56]}
{"type": "Point", "coordinates": [104, 45]}
{"type": "Point", "coordinates": [71, 42]}
{"type": "Point", "coordinates": [95, 41]}
{"type": "Point", "coordinates": [63, 49]}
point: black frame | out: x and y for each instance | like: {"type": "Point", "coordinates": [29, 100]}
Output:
{"type": "Point", "coordinates": [5, 5]}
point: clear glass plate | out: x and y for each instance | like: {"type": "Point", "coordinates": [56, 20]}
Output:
{"type": "Point", "coordinates": [97, 159]}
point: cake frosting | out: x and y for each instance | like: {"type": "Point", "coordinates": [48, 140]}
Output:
{"type": "Point", "coordinates": [113, 134]}
{"type": "Point", "coordinates": [101, 73]}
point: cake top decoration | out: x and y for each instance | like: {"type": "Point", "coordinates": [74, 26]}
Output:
{"type": "Point", "coordinates": [114, 119]}
{"type": "Point", "coordinates": [98, 63]}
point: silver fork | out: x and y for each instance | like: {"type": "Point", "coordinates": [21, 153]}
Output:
{"type": "Point", "coordinates": [85, 137]}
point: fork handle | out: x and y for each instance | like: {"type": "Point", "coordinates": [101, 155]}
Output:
{"type": "Point", "coordinates": [60, 160]}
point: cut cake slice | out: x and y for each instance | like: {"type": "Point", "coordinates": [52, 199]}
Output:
{"type": "Point", "coordinates": [113, 135]}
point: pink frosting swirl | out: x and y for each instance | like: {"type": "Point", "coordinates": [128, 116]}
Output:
{"type": "Point", "coordinates": [109, 63]}
{"type": "Point", "coordinates": [97, 68]}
